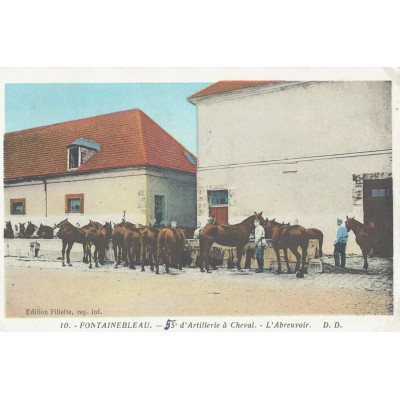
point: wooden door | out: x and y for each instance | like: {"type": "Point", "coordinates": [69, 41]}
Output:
{"type": "Point", "coordinates": [378, 211]}
{"type": "Point", "coordinates": [220, 214]}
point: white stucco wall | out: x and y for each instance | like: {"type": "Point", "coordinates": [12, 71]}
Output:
{"type": "Point", "coordinates": [106, 196]}
{"type": "Point", "coordinates": [304, 120]}
{"type": "Point", "coordinates": [292, 153]}
{"type": "Point", "coordinates": [179, 190]}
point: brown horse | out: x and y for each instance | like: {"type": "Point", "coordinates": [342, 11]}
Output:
{"type": "Point", "coordinates": [225, 235]}
{"type": "Point", "coordinates": [314, 233]}
{"type": "Point", "coordinates": [288, 237]}
{"type": "Point", "coordinates": [149, 245]}
{"type": "Point", "coordinates": [28, 231]}
{"type": "Point", "coordinates": [99, 237]}
{"type": "Point", "coordinates": [45, 232]}
{"type": "Point", "coordinates": [366, 237]}
{"type": "Point", "coordinates": [8, 231]}
{"type": "Point", "coordinates": [170, 244]}
{"type": "Point", "coordinates": [69, 235]}
{"type": "Point", "coordinates": [87, 246]}
{"type": "Point", "coordinates": [133, 245]}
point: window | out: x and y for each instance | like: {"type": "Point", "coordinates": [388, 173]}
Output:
{"type": "Point", "coordinates": [80, 151]}
{"type": "Point", "coordinates": [217, 197]}
{"type": "Point", "coordinates": [74, 203]}
{"type": "Point", "coordinates": [74, 158]}
{"type": "Point", "coordinates": [159, 209]}
{"type": "Point", "coordinates": [17, 207]}
{"type": "Point", "coordinates": [381, 193]}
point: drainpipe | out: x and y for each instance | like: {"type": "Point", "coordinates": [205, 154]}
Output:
{"type": "Point", "coordinates": [45, 194]}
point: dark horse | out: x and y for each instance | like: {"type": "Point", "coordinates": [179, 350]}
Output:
{"type": "Point", "coordinates": [29, 230]}
{"type": "Point", "coordinates": [99, 237]}
{"type": "Point", "coordinates": [314, 233]}
{"type": "Point", "coordinates": [366, 237]}
{"type": "Point", "coordinates": [149, 245]}
{"type": "Point", "coordinates": [288, 237]}
{"type": "Point", "coordinates": [170, 243]}
{"type": "Point", "coordinates": [45, 232]}
{"type": "Point", "coordinates": [69, 235]}
{"type": "Point", "coordinates": [8, 231]}
{"type": "Point", "coordinates": [133, 245]}
{"type": "Point", "coordinates": [118, 241]}
{"type": "Point", "coordinates": [225, 235]}
{"type": "Point", "coordinates": [87, 245]}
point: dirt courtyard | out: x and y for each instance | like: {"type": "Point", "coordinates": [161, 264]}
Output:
{"type": "Point", "coordinates": [36, 286]}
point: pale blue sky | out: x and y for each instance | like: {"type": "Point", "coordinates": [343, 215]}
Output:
{"type": "Point", "coordinates": [32, 105]}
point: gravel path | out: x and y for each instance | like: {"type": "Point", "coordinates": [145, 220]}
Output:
{"type": "Point", "coordinates": [40, 284]}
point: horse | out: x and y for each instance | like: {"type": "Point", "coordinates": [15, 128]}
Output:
{"type": "Point", "coordinates": [225, 235]}
{"type": "Point", "coordinates": [288, 237]}
{"type": "Point", "coordinates": [314, 233]}
{"type": "Point", "coordinates": [170, 243]}
{"type": "Point", "coordinates": [99, 237]}
{"type": "Point", "coordinates": [118, 242]}
{"type": "Point", "coordinates": [45, 232]}
{"type": "Point", "coordinates": [21, 230]}
{"type": "Point", "coordinates": [149, 236]}
{"type": "Point", "coordinates": [69, 235]}
{"type": "Point", "coordinates": [133, 245]}
{"type": "Point", "coordinates": [8, 231]}
{"type": "Point", "coordinates": [366, 237]}
{"type": "Point", "coordinates": [87, 246]}
{"type": "Point", "coordinates": [28, 231]}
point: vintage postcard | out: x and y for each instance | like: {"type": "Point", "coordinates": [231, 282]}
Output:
{"type": "Point", "coordinates": [200, 200]}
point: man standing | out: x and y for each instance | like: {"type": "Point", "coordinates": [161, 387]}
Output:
{"type": "Point", "coordinates": [259, 237]}
{"type": "Point", "coordinates": [340, 244]}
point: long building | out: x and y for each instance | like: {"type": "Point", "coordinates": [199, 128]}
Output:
{"type": "Point", "coordinates": [305, 152]}
{"type": "Point", "coordinates": [99, 168]}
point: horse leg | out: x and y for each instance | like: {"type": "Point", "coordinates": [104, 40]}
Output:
{"type": "Point", "coordinates": [115, 248]}
{"type": "Point", "coordinates": [278, 258]}
{"type": "Point", "coordinates": [289, 271]}
{"type": "Point", "coordinates": [304, 267]}
{"type": "Point", "coordinates": [205, 256]}
{"type": "Point", "coordinates": [85, 256]}
{"type": "Point", "coordinates": [89, 254]}
{"type": "Point", "coordinates": [239, 250]}
{"type": "Point", "coordinates": [96, 256]}
{"type": "Point", "coordinates": [143, 258]}
{"type": "Point", "coordinates": [365, 255]}
{"type": "Point", "coordinates": [68, 251]}
{"type": "Point", "coordinates": [125, 255]}
{"type": "Point", "coordinates": [152, 257]}
{"type": "Point", "coordinates": [296, 253]}
{"type": "Point", "coordinates": [132, 254]}
{"type": "Point", "coordinates": [64, 245]}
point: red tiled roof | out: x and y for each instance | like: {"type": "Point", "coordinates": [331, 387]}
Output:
{"type": "Point", "coordinates": [127, 138]}
{"type": "Point", "coordinates": [228, 86]}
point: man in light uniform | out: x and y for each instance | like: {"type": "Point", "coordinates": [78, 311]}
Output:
{"type": "Point", "coordinates": [259, 238]}
{"type": "Point", "coordinates": [340, 244]}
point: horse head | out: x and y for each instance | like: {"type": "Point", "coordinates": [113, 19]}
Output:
{"type": "Point", "coordinates": [349, 223]}
{"type": "Point", "coordinates": [62, 223]}
{"type": "Point", "coordinates": [259, 217]}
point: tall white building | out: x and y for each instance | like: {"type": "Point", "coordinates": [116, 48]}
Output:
{"type": "Point", "coordinates": [305, 152]}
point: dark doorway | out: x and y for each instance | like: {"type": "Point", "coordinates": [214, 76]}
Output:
{"type": "Point", "coordinates": [378, 212]}
{"type": "Point", "coordinates": [159, 209]}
